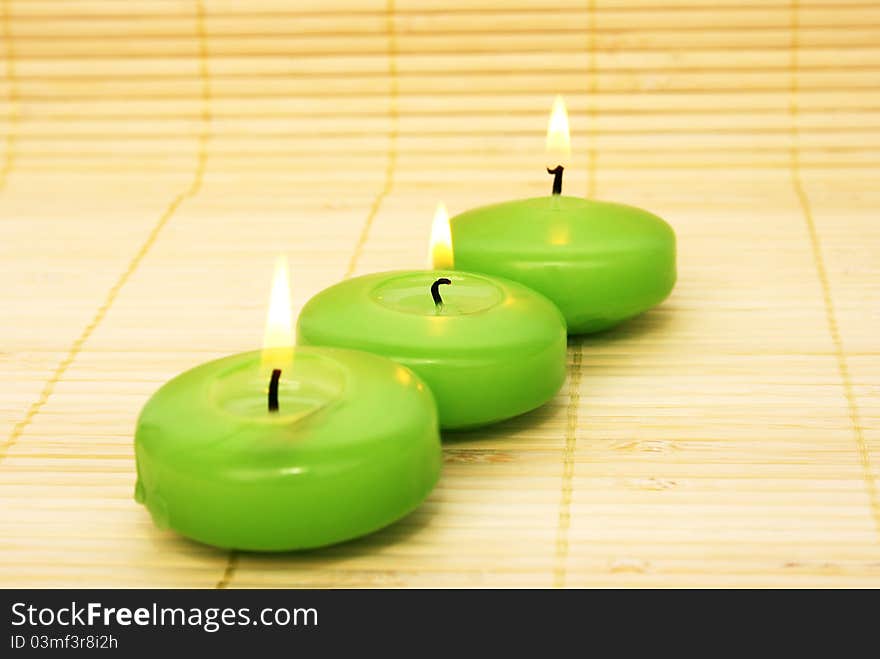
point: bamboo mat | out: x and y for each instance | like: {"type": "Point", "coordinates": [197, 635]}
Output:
{"type": "Point", "coordinates": [156, 156]}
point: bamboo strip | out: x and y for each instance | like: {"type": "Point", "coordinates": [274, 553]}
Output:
{"type": "Point", "coordinates": [536, 21]}
{"type": "Point", "coordinates": [313, 47]}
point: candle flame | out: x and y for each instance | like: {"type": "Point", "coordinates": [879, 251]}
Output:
{"type": "Point", "coordinates": [558, 140]}
{"type": "Point", "coordinates": [441, 240]}
{"type": "Point", "coordinates": [278, 339]}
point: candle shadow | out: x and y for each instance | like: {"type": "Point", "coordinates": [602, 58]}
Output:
{"type": "Point", "coordinates": [397, 532]}
{"type": "Point", "coordinates": [653, 321]}
{"type": "Point", "coordinates": [505, 428]}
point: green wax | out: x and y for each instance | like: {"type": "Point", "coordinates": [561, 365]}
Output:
{"type": "Point", "coordinates": [494, 349]}
{"type": "Point", "coordinates": [353, 446]}
{"type": "Point", "coordinates": [601, 263]}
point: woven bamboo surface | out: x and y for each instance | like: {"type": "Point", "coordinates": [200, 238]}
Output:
{"type": "Point", "coordinates": [156, 155]}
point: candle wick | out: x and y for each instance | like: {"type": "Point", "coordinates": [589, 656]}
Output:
{"type": "Point", "coordinates": [273, 390]}
{"type": "Point", "coordinates": [557, 178]}
{"type": "Point", "coordinates": [435, 291]}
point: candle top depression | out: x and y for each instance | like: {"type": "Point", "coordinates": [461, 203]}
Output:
{"type": "Point", "coordinates": [481, 314]}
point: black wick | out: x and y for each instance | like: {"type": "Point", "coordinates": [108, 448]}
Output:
{"type": "Point", "coordinates": [557, 178]}
{"type": "Point", "coordinates": [435, 291]}
{"type": "Point", "coordinates": [273, 390]}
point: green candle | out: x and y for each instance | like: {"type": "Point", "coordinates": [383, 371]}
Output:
{"type": "Point", "coordinates": [600, 262]}
{"type": "Point", "coordinates": [352, 446]}
{"type": "Point", "coordinates": [286, 449]}
{"type": "Point", "coordinates": [488, 348]}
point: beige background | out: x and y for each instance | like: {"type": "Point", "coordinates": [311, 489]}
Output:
{"type": "Point", "coordinates": [156, 155]}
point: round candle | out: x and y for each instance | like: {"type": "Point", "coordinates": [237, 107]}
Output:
{"type": "Point", "coordinates": [488, 349]}
{"type": "Point", "coordinates": [351, 445]}
{"type": "Point", "coordinates": [600, 262]}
